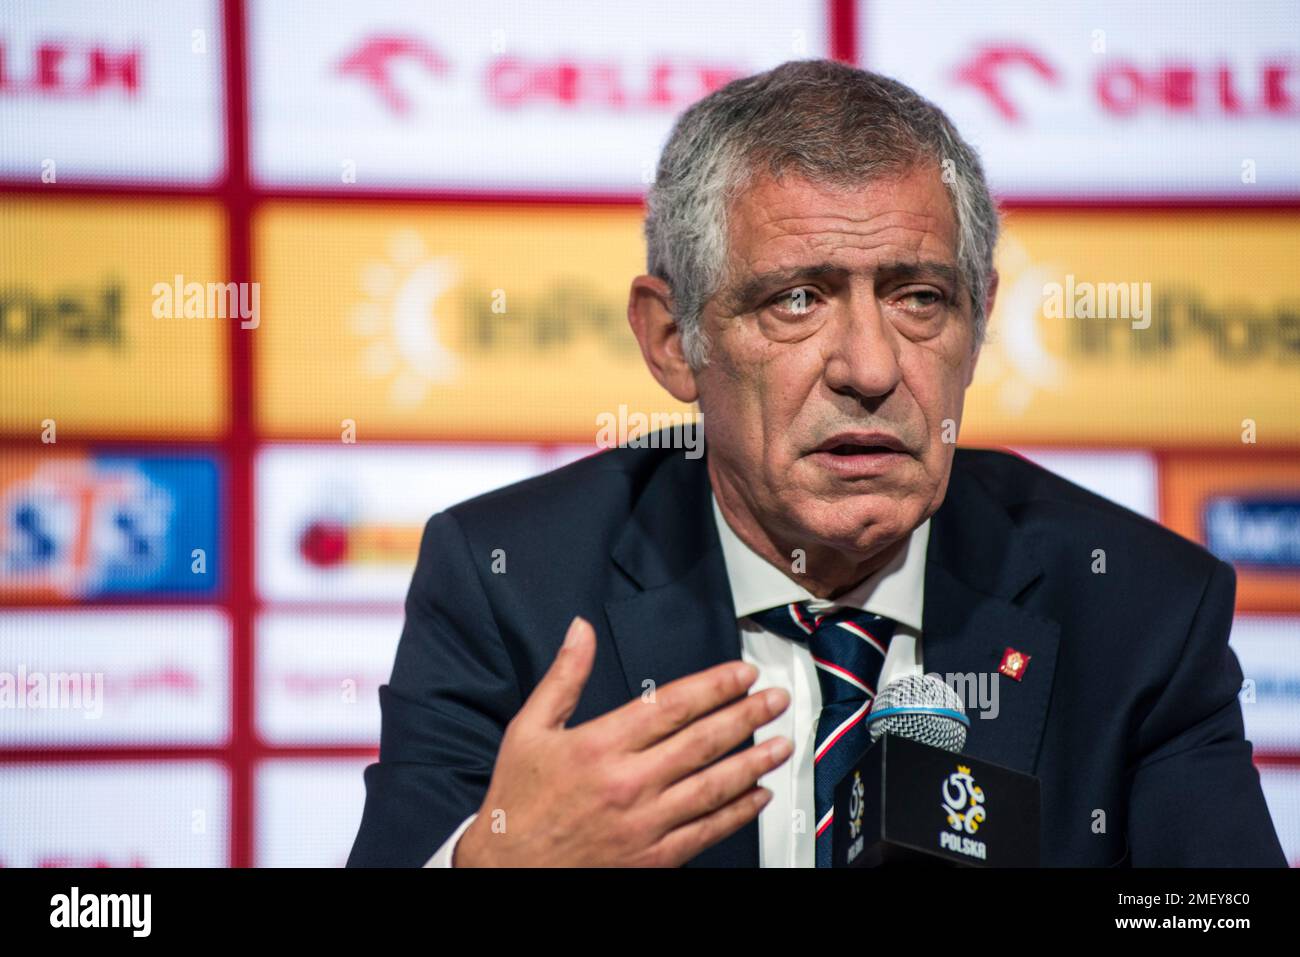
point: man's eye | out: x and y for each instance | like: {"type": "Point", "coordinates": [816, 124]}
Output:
{"type": "Point", "coordinates": [796, 301]}
{"type": "Point", "coordinates": [923, 298]}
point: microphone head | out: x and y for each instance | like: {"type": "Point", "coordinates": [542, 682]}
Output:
{"type": "Point", "coordinates": [920, 707]}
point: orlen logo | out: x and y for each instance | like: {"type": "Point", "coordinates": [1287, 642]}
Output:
{"type": "Point", "coordinates": [374, 61]}
{"type": "Point", "coordinates": [64, 69]}
{"type": "Point", "coordinates": [511, 82]}
{"type": "Point", "coordinates": [1121, 87]}
{"type": "Point", "coordinates": [963, 803]}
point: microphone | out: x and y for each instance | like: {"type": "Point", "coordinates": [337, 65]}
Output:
{"type": "Point", "coordinates": [920, 707]}
{"type": "Point", "coordinates": [914, 798]}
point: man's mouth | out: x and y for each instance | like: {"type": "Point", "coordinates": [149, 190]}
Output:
{"type": "Point", "coordinates": [849, 448]}
{"type": "Point", "coordinates": [860, 454]}
{"type": "Point", "coordinates": [861, 443]}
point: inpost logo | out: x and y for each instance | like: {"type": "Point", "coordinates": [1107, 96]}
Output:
{"type": "Point", "coordinates": [401, 318]}
{"type": "Point", "coordinates": [963, 803]}
{"type": "Point", "coordinates": [69, 318]}
{"type": "Point", "coordinates": [1103, 325]}
{"type": "Point", "coordinates": [422, 317]}
{"type": "Point", "coordinates": [480, 322]}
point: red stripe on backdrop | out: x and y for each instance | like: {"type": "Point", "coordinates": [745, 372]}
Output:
{"type": "Point", "coordinates": [239, 451]}
{"type": "Point", "coordinates": [843, 30]}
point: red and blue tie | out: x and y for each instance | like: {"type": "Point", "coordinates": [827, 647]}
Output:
{"type": "Point", "coordinates": [848, 646]}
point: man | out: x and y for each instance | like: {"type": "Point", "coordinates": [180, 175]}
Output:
{"type": "Point", "coordinates": [820, 245]}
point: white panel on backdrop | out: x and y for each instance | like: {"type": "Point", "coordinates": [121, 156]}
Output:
{"type": "Point", "coordinates": [342, 523]}
{"type": "Point", "coordinates": [1282, 792]}
{"type": "Point", "coordinates": [1268, 648]}
{"type": "Point", "coordinates": [115, 814]}
{"type": "Point", "coordinates": [130, 90]}
{"type": "Point", "coordinates": [1126, 478]}
{"type": "Point", "coordinates": [1109, 97]}
{"type": "Point", "coordinates": [497, 95]}
{"type": "Point", "coordinates": [318, 676]}
{"type": "Point", "coordinates": [114, 678]}
{"type": "Point", "coordinates": [308, 811]}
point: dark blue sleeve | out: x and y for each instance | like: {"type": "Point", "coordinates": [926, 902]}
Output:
{"type": "Point", "coordinates": [452, 692]}
{"type": "Point", "coordinates": [1196, 799]}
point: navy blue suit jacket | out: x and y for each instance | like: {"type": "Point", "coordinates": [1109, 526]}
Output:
{"type": "Point", "coordinates": [1127, 711]}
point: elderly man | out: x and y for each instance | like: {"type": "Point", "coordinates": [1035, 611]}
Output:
{"type": "Point", "coordinates": [673, 630]}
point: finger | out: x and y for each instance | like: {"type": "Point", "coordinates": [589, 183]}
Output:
{"type": "Point", "coordinates": [647, 720]}
{"type": "Point", "coordinates": [683, 843]}
{"type": "Point", "coordinates": [702, 742]}
{"type": "Point", "coordinates": [716, 786]}
{"type": "Point", "coordinates": [556, 696]}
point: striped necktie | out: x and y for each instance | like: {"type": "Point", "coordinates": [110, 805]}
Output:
{"type": "Point", "coordinates": [848, 646]}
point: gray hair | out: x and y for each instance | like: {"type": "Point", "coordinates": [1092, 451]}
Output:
{"type": "Point", "coordinates": [832, 124]}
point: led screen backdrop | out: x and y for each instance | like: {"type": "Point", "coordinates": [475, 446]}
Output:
{"type": "Point", "coordinates": [281, 279]}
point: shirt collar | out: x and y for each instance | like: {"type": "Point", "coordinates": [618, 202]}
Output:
{"type": "Point", "coordinates": [896, 591]}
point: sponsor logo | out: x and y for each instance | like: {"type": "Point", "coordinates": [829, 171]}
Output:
{"type": "Point", "coordinates": [1254, 531]}
{"type": "Point", "coordinates": [70, 320]}
{"type": "Point", "coordinates": [509, 82]}
{"type": "Point", "coordinates": [80, 352]}
{"type": "Point", "coordinates": [1132, 86]}
{"type": "Point", "coordinates": [328, 542]}
{"type": "Point", "coordinates": [62, 69]}
{"type": "Point", "coordinates": [79, 527]}
{"type": "Point", "coordinates": [964, 810]}
{"type": "Point", "coordinates": [1124, 87]}
{"type": "Point", "coordinates": [1164, 341]}
{"type": "Point", "coordinates": [857, 809]}
{"type": "Point", "coordinates": [1246, 510]}
{"type": "Point", "coordinates": [521, 333]}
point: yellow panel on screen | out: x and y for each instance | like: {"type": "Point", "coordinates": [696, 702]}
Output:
{"type": "Point", "coordinates": [86, 340]}
{"type": "Point", "coordinates": [1167, 329]}
{"type": "Point", "coordinates": [483, 322]}
{"type": "Point", "coordinates": [89, 345]}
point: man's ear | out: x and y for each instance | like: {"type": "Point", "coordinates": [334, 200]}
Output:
{"type": "Point", "coordinates": [989, 299]}
{"type": "Point", "coordinates": [650, 314]}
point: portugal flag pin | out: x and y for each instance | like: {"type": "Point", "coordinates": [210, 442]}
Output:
{"type": "Point", "coordinates": [1013, 664]}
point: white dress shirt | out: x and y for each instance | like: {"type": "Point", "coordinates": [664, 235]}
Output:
{"type": "Point", "coordinates": [787, 824]}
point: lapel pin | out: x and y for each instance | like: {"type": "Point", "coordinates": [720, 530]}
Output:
{"type": "Point", "coordinates": [1013, 664]}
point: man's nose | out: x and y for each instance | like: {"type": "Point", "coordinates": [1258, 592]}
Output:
{"type": "Point", "coordinates": [863, 355]}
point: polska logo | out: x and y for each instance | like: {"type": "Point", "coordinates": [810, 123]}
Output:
{"type": "Point", "coordinates": [963, 801]}
{"type": "Point", "coordinates": [857, 805]}
{"type": "Point", "coordinates": [857, 808]}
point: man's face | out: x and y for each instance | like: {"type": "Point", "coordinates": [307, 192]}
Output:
{"type": "Point", "coordinates": [841, 348]}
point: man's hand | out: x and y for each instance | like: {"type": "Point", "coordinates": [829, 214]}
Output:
{"type": "Point", "coordinates": [624, 789]}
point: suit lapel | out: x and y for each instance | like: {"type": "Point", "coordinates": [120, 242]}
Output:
{"type": "Point", "coordinates": [682, 620]}
{"type": "Point", "coordinates": [977, 564]}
